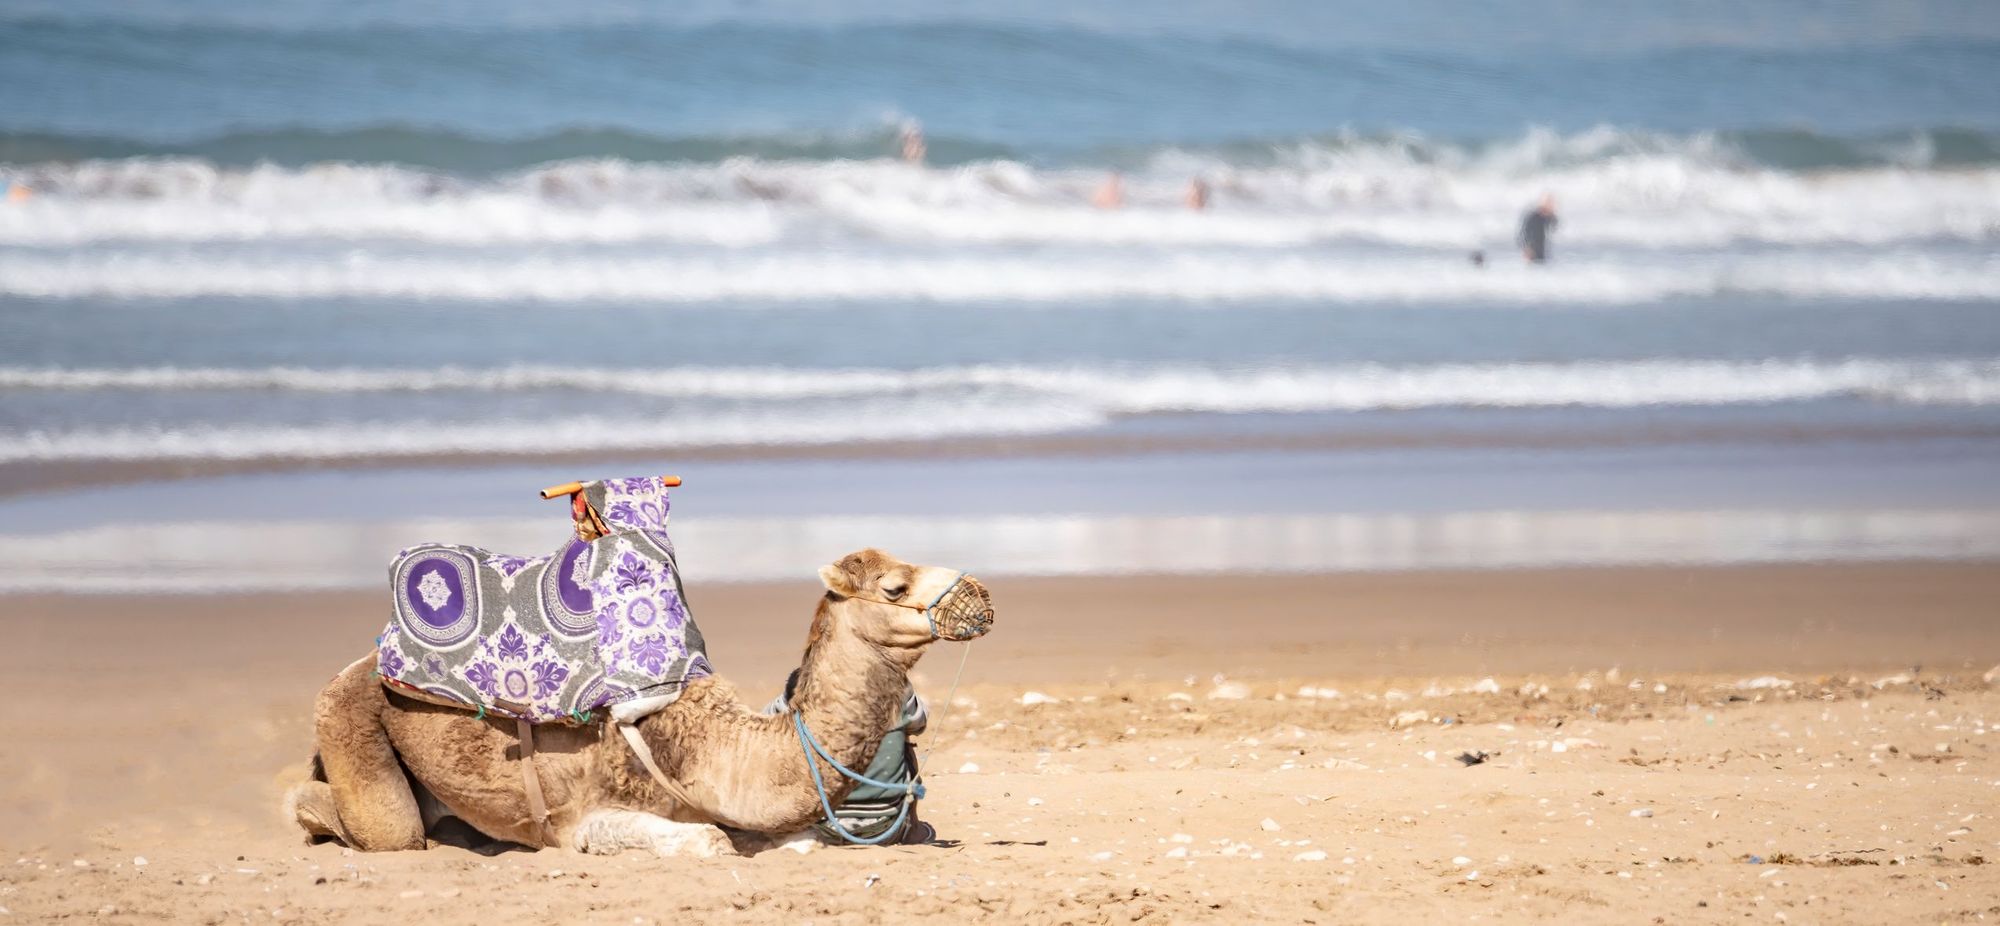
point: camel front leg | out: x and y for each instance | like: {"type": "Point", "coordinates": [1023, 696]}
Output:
{"type": "Point", "coordinates": [609, 832]}
{"type": "Point", "coordinates": [374, 807]}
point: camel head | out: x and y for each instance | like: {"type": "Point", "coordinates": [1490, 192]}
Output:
{"type": "Point", "coordinates": [892, 603]}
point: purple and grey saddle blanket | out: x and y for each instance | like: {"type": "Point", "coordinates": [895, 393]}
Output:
{"type": "Point", "coordinates": [596, 624]}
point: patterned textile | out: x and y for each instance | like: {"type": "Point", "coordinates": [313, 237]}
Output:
{"type": "Point", "coordinates": [594, 624]}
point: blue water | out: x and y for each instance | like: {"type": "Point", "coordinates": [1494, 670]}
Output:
{"type": "Point", "coordinates": [304, 231]}
{"type": "Point", "coordinates": [444, 96]}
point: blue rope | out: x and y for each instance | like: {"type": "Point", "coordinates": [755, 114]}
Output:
{"type": "Point", "coordinates": [912, 791]}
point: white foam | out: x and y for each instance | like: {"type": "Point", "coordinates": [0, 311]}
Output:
{"type": "Point", "coordinates": [818, 276]}
{"type": "Point", "coordinates": [192, 201]}
{"type": "Point", "coordinates": [1618, 188]}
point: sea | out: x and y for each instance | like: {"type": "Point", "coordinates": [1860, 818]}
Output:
{"type": "Point", "coordinates": [285, 287]}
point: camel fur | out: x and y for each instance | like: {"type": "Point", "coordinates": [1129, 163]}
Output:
{"type": "Point", "coordinates": [389, 767]}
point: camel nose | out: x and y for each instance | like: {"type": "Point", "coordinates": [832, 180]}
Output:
{"type": "Point", "coordinates": [969, 611]}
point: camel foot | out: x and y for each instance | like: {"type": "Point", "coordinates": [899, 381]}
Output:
{"type": "Point", "coordinates": [802, 842]}
{"type": "Point", "coordinates": [310, 805]}
{"type": "Point", "coordinates": [608, 832]}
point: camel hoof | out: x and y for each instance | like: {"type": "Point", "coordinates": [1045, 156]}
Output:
{"type": "Point", "coordinates": [310, 805]}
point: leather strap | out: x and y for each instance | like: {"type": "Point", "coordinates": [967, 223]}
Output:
{"type": "Point", "coordinates": [638, 744]}
{"type": "Point", "coordinates": [532, 782]}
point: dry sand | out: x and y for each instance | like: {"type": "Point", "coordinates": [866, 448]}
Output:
{"type": "Point", "coordinates": [1679, 788]}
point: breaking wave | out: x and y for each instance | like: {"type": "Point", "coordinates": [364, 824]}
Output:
{"type": "Point", "coordinates": [779, 406]}
{"type": "Point", "coordinates": [1627, 188]}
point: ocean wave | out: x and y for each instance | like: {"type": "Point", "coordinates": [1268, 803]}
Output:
{"type": "Point", "coordinates": [566, 435]}
{"type": "Point", "coordinates": [1619, 187]}
{"type": "Point", "coordinates": [1116, 389]}
{"type": "Point", "coordinates": [834, 278]}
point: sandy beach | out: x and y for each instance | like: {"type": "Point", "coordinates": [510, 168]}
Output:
{"type": "Point", "coordinates": [1760, 744]}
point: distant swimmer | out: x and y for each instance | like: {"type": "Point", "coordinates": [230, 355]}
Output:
{"type": "Point", "coordinates": [1197, 194]}
{"type": "Point", "coordinates": [914, 149]}
{"type": "Point", "coordinates": [1535, 228]}
{"type": "Point", "coordinates": [1111, 195]}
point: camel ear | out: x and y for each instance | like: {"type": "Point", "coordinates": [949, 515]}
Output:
{"type": "Point", "coordinates": [835, 579]}
{"type": "Point", "coordinates": [850, 574]}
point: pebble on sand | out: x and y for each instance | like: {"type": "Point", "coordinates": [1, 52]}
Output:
{"type": "Point", "coordinates": [1270, 825]}
{"type": "Point", "coordinates": [1486, 686]}
{"type": "Point", "coordinates": [1643, 812]}
{"type": "Point", "coordinates": [969, 768]}
{"type": "Point", "coordinates": [1032, 698]}
{"type": "Point", "coordinates": [139, 861]}
{"type": "Point", "coordinates": [1315, 855]}
{"type": "Point", "coordinates": [1229, 691]}
{"type": "Point", "coordinates": [1763, 681]}
{"type": "Point", "coordinates": [1409, 719]}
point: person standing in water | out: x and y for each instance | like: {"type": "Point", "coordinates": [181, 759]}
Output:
{"type": "Point", "coordinates": [914, 148]}
{"type": "Point", "coordinates": [1535, 228]}
{"type": "Point", "coordinates": [1112, 194]}
{"type": "Point", "coordinates": [1197, 194]}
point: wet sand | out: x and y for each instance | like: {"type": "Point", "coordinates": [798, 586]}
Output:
{"type": "Point", "coordinates": [1655, 776]}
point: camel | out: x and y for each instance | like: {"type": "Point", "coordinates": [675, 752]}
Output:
{"type": "Point", "coordinates": [390, 767]}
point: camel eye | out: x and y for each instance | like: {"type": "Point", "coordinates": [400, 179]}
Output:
{"type": "Point", "coordinates": [895, 592]}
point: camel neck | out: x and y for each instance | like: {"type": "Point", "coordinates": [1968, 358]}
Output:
{"type": "Point", "coordinates": [850, 691]}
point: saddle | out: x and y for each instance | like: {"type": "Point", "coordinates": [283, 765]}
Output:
{"type": "Point", "coordinates": [599, 624]}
